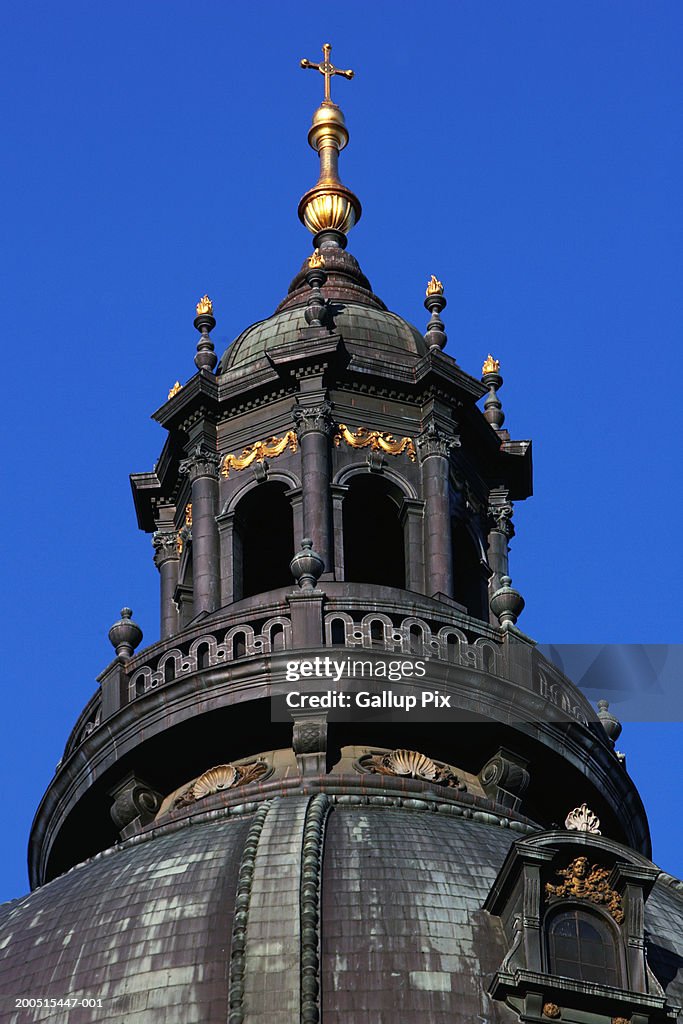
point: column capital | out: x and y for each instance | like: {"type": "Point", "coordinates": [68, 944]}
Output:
{"type": "Point", "coordinates": [166, 546]}
{"type": "Point", "coordinates": [500, 518]}
{"type": "Point", "coordinates": [312, 418]}
{"type": "Point", "coordinates": [201, 462]}
{"type": "Point", "coordinates": [434, 441]}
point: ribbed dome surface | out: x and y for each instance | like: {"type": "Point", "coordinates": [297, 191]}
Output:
{"type": "Point", "coordinates": [148, 928]}
{"type": "Point", "coordinates": [365, 329]}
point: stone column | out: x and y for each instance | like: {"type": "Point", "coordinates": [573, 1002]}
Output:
{"type": "Point", "coordinates": [166, 559]}
{"type": "Point", "coordinates": [313, 424]}
{"type": "Point", "coordinates": [435, 448]}
{"type": "Point", "coordinates": [202, 469]}
{"type": "Point", "coordinates": [500, 532]}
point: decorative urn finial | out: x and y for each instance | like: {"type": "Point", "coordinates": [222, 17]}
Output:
{"type": "Point", "coordinates": [491, 378]}
{"type": "Point", "coordinates": [307, 566]}
{"type": "Point", "coordinates": [329, 209]}
{"type": "Point", "coordinates": [204, 322]}
{"type": "Point", "coordinates": [435, 302]}
{"type": "Point", "coordinates": [125, 635]}
{"type": "Point", "coordinates": [609, 722]}
{"type": "Point", "coordinates": [507, 604]}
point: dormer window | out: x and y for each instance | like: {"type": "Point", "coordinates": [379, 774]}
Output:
{"type": "Point", "coordinates": [582, 945]}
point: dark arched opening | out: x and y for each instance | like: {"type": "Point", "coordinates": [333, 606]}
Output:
{"type": "Point", "coordinates": [582, 946]}
{"type": "Point", "coordinates": [374, 548]}
{"type": "Point", "coordinates": [264, 539]}
{"type": "Point", "coordinates": [469, 586]}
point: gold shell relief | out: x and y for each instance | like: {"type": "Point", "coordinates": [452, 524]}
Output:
{"type": "Point", "coordinates": [222, 776]}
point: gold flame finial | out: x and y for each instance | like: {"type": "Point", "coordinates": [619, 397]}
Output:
{"type": "Point", "coordinates": [491, 365]}
{"type": "Point", "coordinates": [434, 287]}
{"type": "Point", "coordinates": [329, 205]}
{"type": "Point", "coordinates": [317, 260]}
{"type": "Point", "coordinates": [175, 389]}
{"type": "Point", "coordinates": [204, 306]}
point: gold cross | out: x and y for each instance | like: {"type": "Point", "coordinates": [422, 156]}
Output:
{"type": "Point", "coordinates": [327, 69]}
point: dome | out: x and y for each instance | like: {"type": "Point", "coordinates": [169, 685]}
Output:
{"type": "Point", "coordinates": [358, 315]}
{"type": "Point", "coordinates": [200, 922]}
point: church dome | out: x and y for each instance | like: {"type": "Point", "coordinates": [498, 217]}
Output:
{"type": "Point", "coordinates": [356, 313]}
{"type": "Point", "coordinates": [209, 921]}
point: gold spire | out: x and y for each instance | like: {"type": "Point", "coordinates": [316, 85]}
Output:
{"type": "Point", "coordinates": [329, 205]}
{"type": "Point", "coordinates": [491, 365]}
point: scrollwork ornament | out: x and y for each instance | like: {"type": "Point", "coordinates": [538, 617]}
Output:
{"type": "Point", "coordinates": [584, 881]}
{"type": "Point", "coordinates": [222, 777]}
{"type": "Point", "coordinates": [376, 440]}
{"type": "Point", "coordinates": [411, 764]}
{"type": "Point", "coordinates": [500, 517]}
{"type": "Point", "coordinates": [259, 452]}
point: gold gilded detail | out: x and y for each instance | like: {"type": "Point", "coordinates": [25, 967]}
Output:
{"type": "Point", "coordinates": [434, 287]}
{"type": "Point", "coordinates": [188, 514]}
{"type": "Point", "coordinates": [491, 365]}
{"type": "Point", "coordinates": [205, 305]}
{"type": "Point", "coordinates": [551, 1010]}
{"type": "Point", "coordinates": [179, 544]}
{"type": "Point", "coordinates": [268, 449]}
{"type": "Point", "coordinates": [376, 440]}
{"type": "Point", "coordinates": [317, 260]}
{"type": "Point", "coordinates": [587, 882]}
{"type": "Point", "coordinates": [621, 1020]}
{"type": "Point", "coordinates": [223, 776]}
{"type": "Point", "coordinates": [175, 389]}
{"type": "Point", "coordinates": [327, 69]}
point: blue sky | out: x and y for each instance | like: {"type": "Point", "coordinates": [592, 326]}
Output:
{"type": "Point", "coordinates": [527, 153]}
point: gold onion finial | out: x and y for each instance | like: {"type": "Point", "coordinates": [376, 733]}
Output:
{"type": "Point", "coordinates": [491, 365]}
{"type": "Point", "coordinates": [204, 306]}
{"type": "Point", "coordinates": [329, 205]}
{"type": "Point", "coordinates": [434, 287]}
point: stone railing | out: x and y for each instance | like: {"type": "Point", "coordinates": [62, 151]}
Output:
{"type": "Point", "coordinates": [261, 630]}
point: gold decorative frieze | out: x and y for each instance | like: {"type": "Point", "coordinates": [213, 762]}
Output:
{"type": "Point", "coordinates": [175, 389]}
{"type": "Point", "coordinates": [584, 881]}
{"type": "Point", "coordinates": [434, 287]}
{"type": "Point", "coordinates": [204, 306]}
{"type": "Point", "coordinates": [223, 776]}
{"type": "Point", "coordinates": [268, 449]}
{"type": "Point", "coordinates": [376, 440]}
{"type": "Point", "coordinates": [410, 764]}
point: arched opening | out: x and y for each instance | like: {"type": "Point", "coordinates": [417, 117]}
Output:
{"type": "Point", "coordinates": [582, 945]}
{"type": "Point", "coordinates": [469, 586]}
{"type": "Point", "coordinates": [338, 632]}
{"type": "Point", "coordinates": [374, 546]}
{"type": "Point", "coordinates": [264, 540]}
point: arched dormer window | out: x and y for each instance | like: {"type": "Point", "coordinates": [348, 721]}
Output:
{"type": "Point", "coordinates": [582, 945]}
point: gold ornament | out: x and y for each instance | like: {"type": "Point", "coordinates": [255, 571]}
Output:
{"type": "Point", "coordinates": [223, 776]}
{"type": "Point", "coordinates": [411, 764]}
{"type": "Point", "coordinates": [587, 882]}
{"type": "Point", "coordinates": [204, 306]}
{"type": "Point", "coordinates": [317, 260]}
{"type": "Point", "coordinates": [491, 365]}
{"type": "Point", "coordinates": [434, 287]}
{"type": "Point", "coordinates": [268, 449]}
{"type": "Point", "coordinates": [376, 440]}
{"type": "Point", "coordinates": [175, 389]}
{"type": "Point", "coordinates": [188, 514]}
{"type": "Point", "coordinates": [327, 69]}
{"type": "Point", "coordinates": [551, 1010]}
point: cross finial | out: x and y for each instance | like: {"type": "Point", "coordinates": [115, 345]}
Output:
{"type": "Point", "coordinates": [327, 68]}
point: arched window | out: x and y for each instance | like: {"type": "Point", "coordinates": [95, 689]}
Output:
{"type": "Point", "coordinates": [469, 587]}
{"type": "Point", "coordinates": [582, 945]}
{"type": "Point", "coordinates": [374, 548]}
{"type": "Point", "coordinates": [264, 540]}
